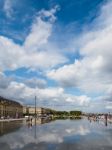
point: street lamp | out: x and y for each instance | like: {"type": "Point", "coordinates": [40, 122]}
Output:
{"type": "Point", "coordinates": [35, 106]}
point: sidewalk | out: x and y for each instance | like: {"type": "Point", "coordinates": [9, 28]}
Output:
{"type": "Point", "coordinates": [12, 119]}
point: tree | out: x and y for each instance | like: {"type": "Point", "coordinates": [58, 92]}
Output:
{"type": "Point", "coordinates": [75, 113]}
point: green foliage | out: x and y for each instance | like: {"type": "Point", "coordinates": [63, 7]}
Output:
{"type": "Point", "coordinates": [65, 113]}
{"type": "Point", "coordinates": [75, 113]}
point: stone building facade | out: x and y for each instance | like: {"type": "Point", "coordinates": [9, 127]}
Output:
{"type": "Point", "coordinates": [31, 111]}
{"type": "Point", "coordinates": [10, 108]}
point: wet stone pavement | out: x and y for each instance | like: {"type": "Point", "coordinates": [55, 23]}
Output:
{"type": "Point", "coordinates": [67, 134]}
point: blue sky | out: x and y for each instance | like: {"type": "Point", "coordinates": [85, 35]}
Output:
{"type": "Point", "coordinates": [59, 51]}
{"type": "Point", "coordinates": [20, 16]}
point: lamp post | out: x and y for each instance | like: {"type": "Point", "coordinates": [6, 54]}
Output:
{"type": "Point", "coordinates": [35, 106]}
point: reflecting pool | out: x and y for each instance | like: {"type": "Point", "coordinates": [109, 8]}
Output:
{"type": "Point", "coordinates": [67, 134]}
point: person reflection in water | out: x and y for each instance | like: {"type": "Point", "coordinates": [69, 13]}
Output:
{"type": "Point", "coordinates": [106, 116]}
{"type": "Point", "coordinates": [30, 125]}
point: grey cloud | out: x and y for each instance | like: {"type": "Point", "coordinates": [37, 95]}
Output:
{"type": "Point", "coordinates": [34, 82]}
{"type": "Point", "coordinates": [4, 81]}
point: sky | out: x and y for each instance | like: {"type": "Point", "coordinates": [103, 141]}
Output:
{"type": "Point", "coordinates": [58, 51]}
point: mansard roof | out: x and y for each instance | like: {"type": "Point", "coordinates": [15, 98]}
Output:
{"type": "Point", "coordinates": [9, 101]}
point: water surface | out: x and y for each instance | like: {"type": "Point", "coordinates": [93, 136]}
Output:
{"type": "Point", "coordinates": [56, 135]}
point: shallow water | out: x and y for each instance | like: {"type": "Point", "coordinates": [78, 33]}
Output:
{"type": "Point", "coordinates": [56, 135]}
